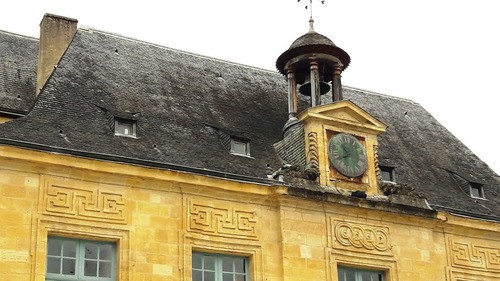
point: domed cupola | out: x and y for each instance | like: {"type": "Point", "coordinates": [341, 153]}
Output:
{"type": "Point", "coordinates": [312, 61]}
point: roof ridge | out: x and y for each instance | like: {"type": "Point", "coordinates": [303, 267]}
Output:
{"type": "Point", "coordinates": [18, 35]}
{"type": "Point", "coordinates": [91, 29]}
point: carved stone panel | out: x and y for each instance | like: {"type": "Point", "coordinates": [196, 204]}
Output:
{"type": "Point", "coordinates": [84, 201]}
{"type": "Point", "coordinates": [208, 217]}
{"type": "Point", "coordinates": [361, 237]}
{"type": "Point", "coordinates": [473, 257]}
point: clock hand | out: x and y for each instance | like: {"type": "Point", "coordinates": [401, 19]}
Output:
{"type": "Point", "coordinates": [346, 153]}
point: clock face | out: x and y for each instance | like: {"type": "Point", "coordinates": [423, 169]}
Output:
{"type": "Point", "coordinates": [347, 155]}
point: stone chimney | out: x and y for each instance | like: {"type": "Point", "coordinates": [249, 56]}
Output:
{"type": "Point", "coordinates": [56, 33]}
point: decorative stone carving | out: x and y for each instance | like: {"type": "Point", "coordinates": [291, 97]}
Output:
{"type": "Point", "coordinates": [363, 237]}
{"type": "Point", "coordinates": [89, 203]}
{"type": "Point", "coordinates": [473, 256]}
{"type": "Point", "coordinates": [204, 217]}
{"type": "Point", "coordinates": [311, 170]}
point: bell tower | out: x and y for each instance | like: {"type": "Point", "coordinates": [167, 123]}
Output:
{"type": "Point", "coordinates": [335, 144]}
{"type": "Point", "coordinates": [312, 61]}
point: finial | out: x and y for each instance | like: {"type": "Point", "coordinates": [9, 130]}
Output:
{"type": "Point", "coordinates": [311, 25]}
{"type": "Point", "coordinates": [310, 7]}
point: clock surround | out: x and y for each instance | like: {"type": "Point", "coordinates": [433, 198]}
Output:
{"type": "Point", "coordinates": [347, 155]}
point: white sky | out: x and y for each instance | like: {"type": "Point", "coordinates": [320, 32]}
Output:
{"type": "Point", "coordinates": [443, 54]}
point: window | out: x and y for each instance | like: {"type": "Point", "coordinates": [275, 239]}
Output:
{"type": "Point", "coordinates": [71, 259]}
{"type": "Point", "coordinates": [476, 190]}
{"type": "Point", "coordinates": [213, 267]}
{"type": "Point", "coordinates": [354, 274]}
{"type": "Point", "coordinates": [124, 127]}
{"type": "Point", "coordinates": [387, 173]}
{"type": "Point", "coordinates": [240, 147]}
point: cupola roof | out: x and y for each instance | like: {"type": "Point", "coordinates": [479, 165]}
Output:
{"type": "Point", "coordinates": [311, 43]}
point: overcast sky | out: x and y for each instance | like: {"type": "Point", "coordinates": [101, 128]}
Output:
{"type": "Point", "coordinates": [443, 54]}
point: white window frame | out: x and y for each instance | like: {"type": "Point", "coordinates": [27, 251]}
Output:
{"type": "Point", "coordinates": [131, 123]}
{"type": "Point", "coordinates": [218, 270]}
{"type": "Point", "coordinates": [80, 261]}
{"type": "Point", "coordinates": [244, 143]}
{"type": "Point", "coordinates": [477, 187]}
{"type": "Point", "coordinates": [358, 273]}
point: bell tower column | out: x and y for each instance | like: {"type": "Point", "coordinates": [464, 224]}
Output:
{"type": "Point", "coordinates": [314, 76]}
{"type": "Point", "coordinates": [292, 93]}
{"type": "Point", "coordinates": [337, 83]}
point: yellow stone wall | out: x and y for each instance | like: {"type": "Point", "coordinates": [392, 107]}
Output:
{"type": "Point", "coordinates": [158, 217]}
{"type": "Point", "coordinates": [4, 119]}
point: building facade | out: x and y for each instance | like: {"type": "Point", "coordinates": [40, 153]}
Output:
{"type": "Point", "coordinates": [132, 161]}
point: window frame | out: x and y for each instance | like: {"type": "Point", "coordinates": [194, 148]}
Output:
{"type": "Point", "coordinates": [358, 271]}
{"type": "Point", "coordinates": [390, 171]}
{"type": "Point", "coordinates": [80, 260]}
{"type": "Point", "coordinates": [218, 270]}
{"type": "Point", "coordinates": [479, 188]}
{"type": "Point", "coordinates": [245, 143]}
{"type": "Point", "coordinates": [133, 127]}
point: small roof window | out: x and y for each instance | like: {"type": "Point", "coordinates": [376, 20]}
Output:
{"type": "Point", "coordinates": [387, 173]}
{"type": "Point", "coordinates": [124, 127]}
{"type": "Point", "coordinates": [476, 190]}
{"type": "Point", "coordinates": [240, 147]}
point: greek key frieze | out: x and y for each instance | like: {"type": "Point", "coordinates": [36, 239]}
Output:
{"type": "Point", "coordinates": [86, 203]}
{"type": "Point", "coordinates": [219, 221]}
{"type": "Point", "coordinates": [362, 236]}
{"type": "Point", "coordinates": [473, 256]}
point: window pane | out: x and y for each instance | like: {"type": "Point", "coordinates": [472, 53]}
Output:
{"type": "Point", "coordinates": [366, 277]}
{"type": "Point", "coordinates": [53, 265]}
{"type": "Point", "coordinates": [68, 267]}
{"type": "Point", "coordinates": [104, 269]}
{"type": "Point", "coordinates": [209, 276]}
{"type": "Point", "coordinates": [209, 262]}
{"type": "Point", "coordinates": [386, 175]}
{"type": "Point", "coordinates": [105, 252]}
{"type": "Point", "coordinates": [69, 248]}
{"type": "Point", "coordinates": [475, 192]}
{"type": "Point", "coordinates": [197, 275]}
{"type": "Point", "coordinates": [90, 251]}
{"type": "Point", "coordinates": [197, 259]}
{"type": "Point", "coordinates": [227, 277]}
{"type": "Point", "coordinates": [227, 264]}
{"type": "Point", "coordinates": [346, 274]}
{"type": "Point", "coordinates": [239, 277]}
{"type": "Point", "coordinates": [124, 127]}
{"type": "Point", "coordinates": [90, 268]}
{"type": "Point", "coordinates": [54, 247]}
{"type": "Point", "coordinates": [239, 147]}
{"type": "Point", "coordinates": [239, 265]}
{"type": "Point", "coordinates": [349, 275]}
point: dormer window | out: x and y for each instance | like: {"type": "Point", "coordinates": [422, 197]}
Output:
{"type": "Point", "coordinates": [240, 147]}
{"type": "Point", "coordinates": [125, 127]}
{"type": "Point", "coordinates": [476, 190]}
{"type": "Point", "coordinates": [387, 173]}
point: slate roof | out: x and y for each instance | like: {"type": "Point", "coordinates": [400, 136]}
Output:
{"type": "Point", "coordinates": [18, 64]}
{"type": "Point", "coordinates": [185, 103]}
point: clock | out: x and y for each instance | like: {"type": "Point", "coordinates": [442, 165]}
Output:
{"type": "Point", "coordinates": [347, 155]}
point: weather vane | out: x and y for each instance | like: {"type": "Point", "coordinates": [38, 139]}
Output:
{"type": "Point", "coordinates": [310, 5]}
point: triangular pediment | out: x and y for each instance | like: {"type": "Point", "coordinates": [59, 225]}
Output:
{"type": "Point", "coordinates": [345, 112]}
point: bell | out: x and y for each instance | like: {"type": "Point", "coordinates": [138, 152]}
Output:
{"type": "Point", "coordinates": [305, 89]}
